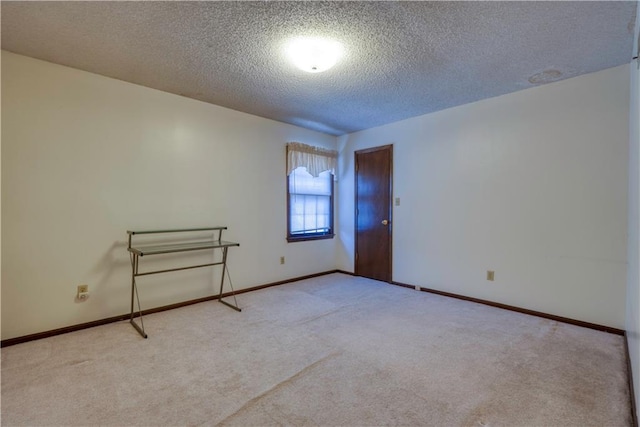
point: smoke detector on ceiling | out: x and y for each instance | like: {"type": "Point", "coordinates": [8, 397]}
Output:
{"type": "Point", "coordinates": [546, 76]}
{"type": "Point", "coordinates": [314, 54]}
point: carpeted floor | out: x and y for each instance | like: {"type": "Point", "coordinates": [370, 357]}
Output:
{"type": "Point", "coordinates": [334, 350]}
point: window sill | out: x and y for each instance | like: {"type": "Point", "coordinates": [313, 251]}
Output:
{"type": "Point", "coordinates": [292, 239]}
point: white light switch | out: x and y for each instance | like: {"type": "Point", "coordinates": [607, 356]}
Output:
{"type": "Point", "coordinates": [397, 201]}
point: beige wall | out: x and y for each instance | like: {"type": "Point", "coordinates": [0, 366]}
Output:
{"type": "Point", "coordinates": [85, 158]}
{"type": "Point", "coordinates": [532, 185]}
{"type": "Point", "coordinates": [633, 271]}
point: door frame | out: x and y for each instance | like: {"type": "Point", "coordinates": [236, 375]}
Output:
{"type": "Point", "coordinates": [388, 147]}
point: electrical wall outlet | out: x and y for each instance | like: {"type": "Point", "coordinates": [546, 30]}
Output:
{"type": "Point", "coordinates": [490, 275]}
{"type": "Point", "coordinates": [83, 292]}
{"type": "Point", "coordinates": [281, 260]}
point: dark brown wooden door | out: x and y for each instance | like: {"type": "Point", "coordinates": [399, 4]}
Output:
{"type": "Point", "coordinates": [373, 194]}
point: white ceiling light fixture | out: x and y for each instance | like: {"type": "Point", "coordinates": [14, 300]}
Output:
{"type": "Point", "coordinates": [314, 54]}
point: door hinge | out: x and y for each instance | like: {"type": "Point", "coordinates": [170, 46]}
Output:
{"type": "Point", "coordinates": [357, 166]}
{"type": "Point", "coordinates": [356, 256]}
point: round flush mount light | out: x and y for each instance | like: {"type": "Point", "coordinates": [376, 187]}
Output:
{"type": "Point", "coordinates": [314, 54]}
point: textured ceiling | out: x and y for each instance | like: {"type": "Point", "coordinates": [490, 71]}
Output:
{"type": "Point", "coordinates": [402, 59]}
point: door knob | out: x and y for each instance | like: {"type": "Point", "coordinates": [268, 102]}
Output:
{"type": "Point", "coordinates": [385, 222]}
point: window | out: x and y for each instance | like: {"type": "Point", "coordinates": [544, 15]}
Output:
{"type": "Point", "coordinates": [310, 176]}
{"type": "Point", "coordinates": [310, 205]}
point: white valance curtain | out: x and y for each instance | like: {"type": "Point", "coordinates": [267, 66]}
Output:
{"type": "Point", "coordinates": [315, 159]}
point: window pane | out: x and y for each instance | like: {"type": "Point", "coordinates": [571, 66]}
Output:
{"type": "Point", "coordinates": [309, 203]}
{"type": "Point", "coordinates": [301, 182]}
{"type": "Point", "coordinates": [309, 213]}
{"type": "Point", "coordinates": [297, 205]}
{"type": "Point", "coordinates": [323, 221]}
{"type": "Point", "coordinates": [297, 223]}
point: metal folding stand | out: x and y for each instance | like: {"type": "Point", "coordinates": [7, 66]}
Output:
{"type": "Point", "coordinates": [174, 247]}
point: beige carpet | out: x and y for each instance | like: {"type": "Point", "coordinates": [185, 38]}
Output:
{"type": "Point", "coordinates": [334, 350]}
